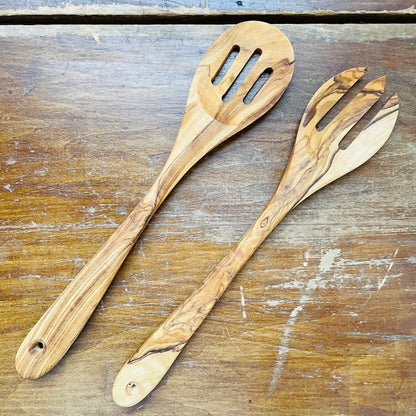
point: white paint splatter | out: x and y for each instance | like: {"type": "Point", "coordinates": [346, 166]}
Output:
{"type": "Point", "coordinates": [41, 172]}
{"type": "Point", "coordinates": [30, 276]}
{"type": "Point", "coordinates": [326, 263]}
{"type": "Point", "coordinates": [79, 263]}
{"type": "Point", "coordinates": [243, 302]}
{"type": "Point", "coordinates": [273, 302]}
{"type": "Point", "coordinates": [412, 260]}
{"type": "Point", "coordinates": [141, 251]}
{"type": "Point", "coordinates": [382, 283]}
{"type": "Point", "coordinates": [305, 263]}
{"type": "Point", "coordinates": [94, 192]}
{"type": "Point", "coordinates": [293, 284]}
{"type": "Point", "coordinates": [121, 211]}
{"type": "Point", "coordinates": [8, 187]}
{"type": "Point", "coordinates": [130, 302]}
{"type": "Point", "coordinates": [10, 161]}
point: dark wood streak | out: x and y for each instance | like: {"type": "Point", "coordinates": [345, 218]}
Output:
{"type": "Point", "coordinates": [339, 85]}
{"type": "Point", "coordinates": [383, 114]}
{"type": "Point", "coordinates": [312, 184]}
{"type": "Point", "coordinates": [312, 110]}
{"type": "Point", "coordinates": [176, 347]}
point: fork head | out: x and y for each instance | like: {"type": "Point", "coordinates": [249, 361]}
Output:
{"type": "Point", "coordinates": [317, 159]}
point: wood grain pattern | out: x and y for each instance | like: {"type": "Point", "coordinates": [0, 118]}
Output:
{"type": "Point", "coordinates": [316, 161]}
{"type": "Point", "coordinates": [208, 121]}
{"type": "Point", "coordinates": [320, 321]}
{"type": "Point", "coordinates": [187, 8]}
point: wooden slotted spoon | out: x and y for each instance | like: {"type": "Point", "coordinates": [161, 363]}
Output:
{"type": "Point", "coordinates": [208, 120]}
{"type": "Point", "coordinates": [316, 160]}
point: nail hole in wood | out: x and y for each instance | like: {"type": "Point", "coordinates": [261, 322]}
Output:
{"type": "Point", "coordinates": [132, 388]}
{"type": "Point", "coordinates": [37, 347]}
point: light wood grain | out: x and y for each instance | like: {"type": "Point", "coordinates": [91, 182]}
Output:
{"type": "Point", "coordinates": [208, 120]}
{"type": "Point", "coordinates": [316, 161]}
{"type": "Point", "coordinates": [88, 118]}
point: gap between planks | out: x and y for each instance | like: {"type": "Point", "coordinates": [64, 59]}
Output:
{"type": "Point", "coordinates": [132, 14]}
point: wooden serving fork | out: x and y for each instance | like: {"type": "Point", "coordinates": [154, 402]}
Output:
{"type": "Point", "coordinates": [212, 115]}
{"type": "Point", "coordinates": [316, 160]}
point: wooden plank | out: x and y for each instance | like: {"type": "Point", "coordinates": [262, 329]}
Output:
{"type": "Point", "coordinates": [187, 8]}
{"type": "Point", "coordinates": [315, 6]}
{"type": "Point", "coordinates": [319, 322]}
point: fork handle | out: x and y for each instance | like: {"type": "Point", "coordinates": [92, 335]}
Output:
{"type": "Point", "coordinates": [147, 366]}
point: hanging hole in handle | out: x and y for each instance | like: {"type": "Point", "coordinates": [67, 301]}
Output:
{"type": "Point", "coordinates": [261, 80]}
{"type": "Point", "coordinates": [38, 347]}
{"type": "Point", "coordinates": [132, 388]}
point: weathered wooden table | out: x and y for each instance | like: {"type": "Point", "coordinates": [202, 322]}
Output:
{"type": "Point", "coordinates": [321, 319]}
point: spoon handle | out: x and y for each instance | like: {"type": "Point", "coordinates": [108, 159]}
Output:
{"type": "Point", "coordinates": [147, 366]}
{"type": "Point", "coordinates": [57, 329]}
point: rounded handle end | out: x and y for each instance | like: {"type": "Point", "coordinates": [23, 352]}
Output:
{"type": "Point", "coordinates": [30, 361]}
{"type": "Point", "coordinates": [129, 389]}
{"type": "Point", "coordinates": [141, 374]}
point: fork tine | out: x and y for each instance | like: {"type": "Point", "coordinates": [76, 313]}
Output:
{"type": "Point", "coordinates": [371, 138]}
{"type": "Point", "coordinates": [329, 94]}
{"type": "Point", "coordinates": [355, 110]}
{"type": "Point", "coordinates": [363, 147]}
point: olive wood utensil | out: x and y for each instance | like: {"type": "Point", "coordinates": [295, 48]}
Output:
{"type": "Point", "coordinates": [211, 116]}
{"type": "Point", "coordinates": [316, 160]}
